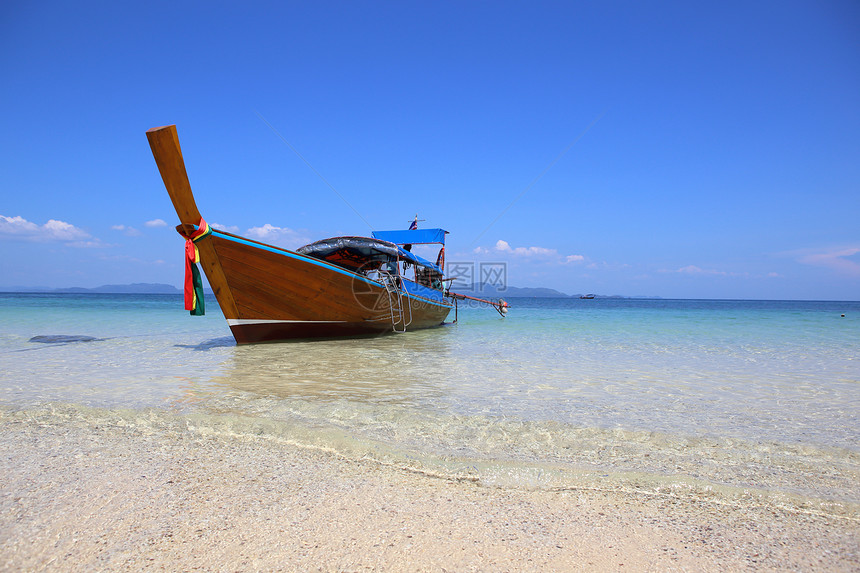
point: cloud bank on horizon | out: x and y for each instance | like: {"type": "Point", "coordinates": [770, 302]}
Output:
{"type": "Point", "coordinates": [844, 261]}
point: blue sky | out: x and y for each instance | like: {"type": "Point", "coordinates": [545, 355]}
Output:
{"type": "Point", "coordinates": [715, 148]}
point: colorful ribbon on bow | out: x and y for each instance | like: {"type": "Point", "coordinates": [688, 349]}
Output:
{"type": "Point", "coordinates": [193, 281]}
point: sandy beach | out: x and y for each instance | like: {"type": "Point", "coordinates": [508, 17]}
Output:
{"type": "Point", "coordinates": [81, 497]}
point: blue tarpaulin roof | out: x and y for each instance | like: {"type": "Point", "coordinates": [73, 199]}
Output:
{"type": "Point", "coordinates": [415, 259]}
{"type": "Point", "coordinates": [413, 237]}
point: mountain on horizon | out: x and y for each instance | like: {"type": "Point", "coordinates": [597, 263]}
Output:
{"type": "Point", "coordinates": [485, 290]}
{"type": "Point", "coordinates": [493, 291]}
{"type": "Point", "coordinates": [134, 288]}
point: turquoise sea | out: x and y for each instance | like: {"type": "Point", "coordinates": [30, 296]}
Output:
{"type": "Point", "coordinates": [743, 402]}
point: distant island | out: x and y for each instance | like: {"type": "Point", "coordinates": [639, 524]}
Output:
{"type": "Point", "coordinates": [134, 288]}
{"type": "Point", "coordinates": [479, 290]}
{"type": "Point", "coordinates": [495, 291]}
{"type": "Point", "coordinates": [484, 290]}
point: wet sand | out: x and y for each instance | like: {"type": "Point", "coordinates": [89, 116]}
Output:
{"type": "Point", "coordinates": [75, 497]}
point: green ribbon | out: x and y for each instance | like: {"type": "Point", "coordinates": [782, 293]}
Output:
{"type": "Point", "coordinates": [197, 281]}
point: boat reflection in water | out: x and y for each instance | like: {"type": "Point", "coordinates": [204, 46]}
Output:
{"type": "Point", "coordinates": [379, 369]}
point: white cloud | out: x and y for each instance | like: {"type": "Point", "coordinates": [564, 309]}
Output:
{"type": "Point", "coordinates": [229, 228]}
{"type": "Point", "coordinates": [63, 231]}
{"type": "Point", "coordinates": [505, 247]}
{"type": "Point", "coordinates": [543, 254]}
{"type": "Point", "coordinates": [156, 223]}
{"type": "Point", "coordinates": [281, 236]}
{"type": "Point", "coordinates": [94, 244]}
{"type": "Point", "coordinates": [604, 266]}
{"type": "Point", "coordinates": [17, 226]}
{"type": "Point", "coordinates": [267, 231]}
{"type": "Point", "coordinates": [840, 259]}
{"type": "Point", "coordinates": [694, 270]}
{"type": "Point", "coordinates": [53, 230]}
{"type": "Point", "coordinates": [126, 230]}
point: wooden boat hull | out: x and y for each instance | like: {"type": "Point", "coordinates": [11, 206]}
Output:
{"type": "Point", "coordinates": [268, 293]}
{"type": "Point", "coordinates": [277, 294]}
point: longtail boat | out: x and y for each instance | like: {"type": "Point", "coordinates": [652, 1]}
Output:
{"type": "Point", "coordinates": [343, 286]}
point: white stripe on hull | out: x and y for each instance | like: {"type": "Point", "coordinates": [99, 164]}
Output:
{"type": "Point", "coordinates": [244, 321]}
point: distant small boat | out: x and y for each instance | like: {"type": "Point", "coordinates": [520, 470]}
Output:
{"type": "Point", "coordinates": [342, 286]}
{"type": "Point", "coordinates": [586, 296]}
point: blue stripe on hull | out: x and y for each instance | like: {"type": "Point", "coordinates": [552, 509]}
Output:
{"type": "Point", "coordinates": [412, 290]}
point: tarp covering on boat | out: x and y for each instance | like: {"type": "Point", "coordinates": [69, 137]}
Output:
{"type": "Point", "coordinates": [413, 237]}
{"type": "Point", "coordinates": [361, 252]}
{"type": "Point", "coordinates": [416, 260]}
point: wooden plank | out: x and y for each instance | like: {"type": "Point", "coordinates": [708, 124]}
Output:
{"type": "Point", "coordinates": [281, 290]}
{"type": "Point", "coordinates": [164, 142]}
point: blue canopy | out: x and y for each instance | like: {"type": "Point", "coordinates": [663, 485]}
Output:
{"type": "Point", "coordinates": [413, 237]}
{"type": "Point", "coordinates": [416, 260]}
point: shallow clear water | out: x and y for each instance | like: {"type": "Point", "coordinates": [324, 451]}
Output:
{"type": "Point", "coordinates": [753, 400]}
